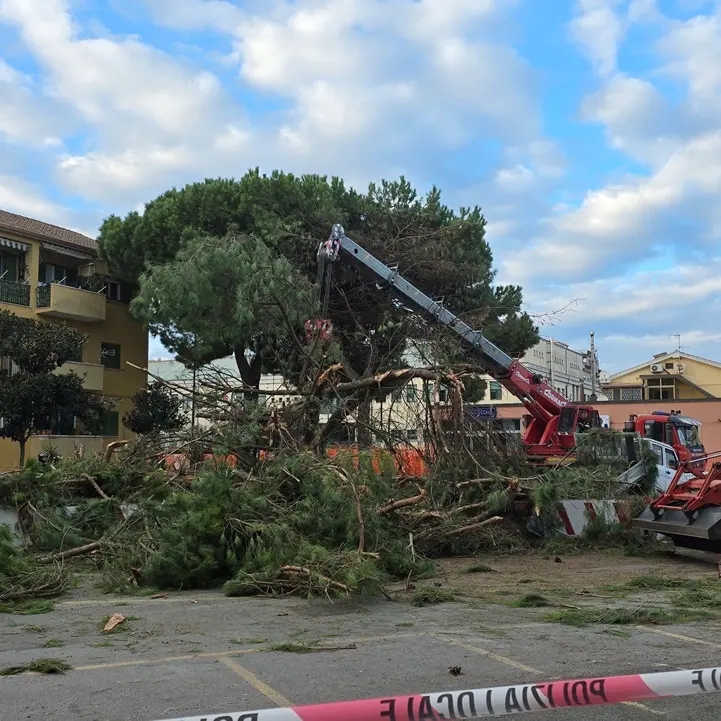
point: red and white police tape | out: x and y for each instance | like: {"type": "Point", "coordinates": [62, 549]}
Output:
{"type": "Point", "coordinates": [497, 701]}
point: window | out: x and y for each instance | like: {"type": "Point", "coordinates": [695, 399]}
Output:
{"type": "Point", "coordinates": [668, 366]}
{"type": "Point", "coordinates": [51, 273]}
{"type": "Point", "coordinates": [412, 435]}
{"type": "Point", "coordinates": [9, 267]}
{"type": "Point", "coordinates": [496, 391]}
{"type": "Point", "coordinates": [108, 425]}
{"type": "Point", "coordinates": [627, 394]}
{"type": "Point", "coordinates": [443, 394]}
{"type": "Point", "coordinates": [671, 459]}
{"type": "Point", "coordinates": [112, 290]}
{"type": "Point", "coordinates": [660, 389]}
{"type": "Point", "coordinates": [110, 355]}
{"type": "Point", "coordinates": [657, 451]}
{"type": "Point", "coordinates": [411, 393]}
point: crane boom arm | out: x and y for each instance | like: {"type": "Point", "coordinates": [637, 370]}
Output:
{"type": "Point", "coordinates": [540, 399]}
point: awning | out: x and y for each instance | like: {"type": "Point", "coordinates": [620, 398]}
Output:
{"type": "Point", "coordinates": [14, 244]}
{"type": "Point", "coordinates": [62, 250]}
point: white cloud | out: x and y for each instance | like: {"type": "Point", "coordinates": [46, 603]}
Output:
{"type": "Point", "coordinates": [637, 117]}
{"type": "Point", "coordinates": [22, 116]}
{"type": "Point", "coordinates": [19, 196]}
{"type": "Point", "coordinates": [621, 223]}
{"type": "Point", "coordinates": [694, 50]}
{"type": "Point", "coordinates": [599, 31]}
{"type": "Point", "coordinates": [110, 81]}
{"type": "Point", "coordinates": [365, 82]}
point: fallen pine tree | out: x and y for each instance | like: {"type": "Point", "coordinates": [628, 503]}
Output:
{"type": "Point", "coordinates": [293, 523]}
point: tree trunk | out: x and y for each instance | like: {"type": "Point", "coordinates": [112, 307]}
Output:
{"type": "Point", "coordinates": [365, 435]}
{"type": "Point", "coordinates": [22, 452]}
{"type": "Point", "coordinates": [335, 422]}
{"type": "Point", "coordinates": [249, 372]}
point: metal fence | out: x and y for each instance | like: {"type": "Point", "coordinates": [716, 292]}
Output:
{"type": "Point", "coordinates": [43, 297]}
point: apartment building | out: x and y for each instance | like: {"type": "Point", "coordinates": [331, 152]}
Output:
{"type": "Point", "coordinates": [54, 274]}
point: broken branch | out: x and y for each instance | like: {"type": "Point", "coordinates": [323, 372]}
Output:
{"type": "Point", "coordinates": [79, 551]}
{"type": "Point", "coordinates": [402, 503]}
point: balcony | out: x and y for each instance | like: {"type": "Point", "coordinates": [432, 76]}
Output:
{"type": "Point", "coordinates": [63, 301]}
{"type": "Point", "coordinates": [15, 293]}
{"type": "Point", "coordinates": [91, 373]}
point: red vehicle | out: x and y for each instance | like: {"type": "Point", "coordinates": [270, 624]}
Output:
{"type": "Point", "coordinates": [552, 421]}
{"type": "Point", "coordinates": [681, 432]}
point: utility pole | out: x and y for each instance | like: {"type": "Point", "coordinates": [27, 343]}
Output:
{"type": "Point", "coordinates": [594, 397]}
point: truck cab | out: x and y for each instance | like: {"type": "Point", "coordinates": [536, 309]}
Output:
{"type": "Point", "coordinates": [672, 429]}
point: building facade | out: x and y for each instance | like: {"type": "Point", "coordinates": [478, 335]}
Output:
{"type": "Point", "coordinates": [402, 413]}
{"type": "Point", "coordinates": [399, 414]}
{"type": "Point", "coordinates": [54, 275]}
{"type": "Point", "coordinates": [667, 376]}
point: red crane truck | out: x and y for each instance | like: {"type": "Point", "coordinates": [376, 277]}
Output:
{"type": "Point", "coordinates": [552, 421]}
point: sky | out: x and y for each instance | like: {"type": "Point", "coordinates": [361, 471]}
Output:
{"type": "Point", "coordinates": [589, 131]}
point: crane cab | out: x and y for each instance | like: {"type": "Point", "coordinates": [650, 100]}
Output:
{"type": "Point", "coordinates": [578, 419]}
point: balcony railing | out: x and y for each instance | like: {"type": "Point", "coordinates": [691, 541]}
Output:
{"type": "Point", "coordinates": [16, 293]}
{"type": "Point", "coordinates": [43, 298]}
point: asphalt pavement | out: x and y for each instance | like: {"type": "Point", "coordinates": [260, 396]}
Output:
{"type": "Point", "coordinates": [201, 653]}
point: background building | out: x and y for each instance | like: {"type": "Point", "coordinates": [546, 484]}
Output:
{"type": "Point", "coordinates": [566, 369]}
{"type": "Point", "coordinates": [54, 274]}
{"type": "Point", "coordinates": [401, 413]}
{"type": "Point", "coordinates": [667, 376]}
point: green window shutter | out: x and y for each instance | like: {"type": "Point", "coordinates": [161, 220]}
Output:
{"type": "Point", "coordinates": [10, 264]}
{"type": "Point", "coordinates": [112, 424]}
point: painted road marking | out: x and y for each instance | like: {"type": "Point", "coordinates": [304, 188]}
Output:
{"type": "Point", "coordinates": [643, 707]}
{"type": "Point", "coordinates": [166, 659]}
{"type": "Point", "coordinates": [528, 669]}
{"type": "Point", "coordinates": [488, 654]}
{"type": "Point", "coordinates": [277, 698]}
{"type": "Point", "coordinates": [680, 637]}
{"type": "Point", "coordinates": [134, 600]}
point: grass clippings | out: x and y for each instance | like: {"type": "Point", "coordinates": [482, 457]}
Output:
{"type": "Point", "coordinates": [479, 568]}
{"type": "Point", "coordinates": [40, 665]}
{"type": "Point", "coordinates": [308, 647]}
{"type": "Point", "coordinates": [624, 616]}
{"type": "Point", "coordinates": [531, 600]}
{"type": "Point", "coordinates": [54, 643]}
{"type": "Point", "coordinates": [428, 595]}
{"type": "Point", "coordinates": [31, 607]}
